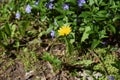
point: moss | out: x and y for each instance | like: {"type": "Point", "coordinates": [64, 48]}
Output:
{"type": "Point", "coordinates": [109, 60]}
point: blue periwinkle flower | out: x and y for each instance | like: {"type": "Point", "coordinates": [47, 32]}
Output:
{"type": "Point", "coordinates": [36, 2]}
{"type": "Point", "coordinates": [50, 5]}
{"type": "Point", "coordinates": [28, 9]}
{"type": "Point", "coordinates": [17, 15]}
{"type": "Point", "coordinates": [52, 33]}
{"type": "Point", "coordinates": [65, 6]}
{"type": "Point", "coordinates": [104, 43]}
{"type": "Point", "coordinates": [81, 2]}
{"type": "Point", "coordinates": [110, 78]}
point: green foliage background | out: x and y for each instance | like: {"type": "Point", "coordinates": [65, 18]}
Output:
{"type": "Point", "coordinates": [97, 21]}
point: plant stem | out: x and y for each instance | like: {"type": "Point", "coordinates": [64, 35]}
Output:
{"type": "Point", "coordinates": [67, 46]}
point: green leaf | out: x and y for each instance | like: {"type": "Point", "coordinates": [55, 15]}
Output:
{"type": "Point", "coordinates": [7, 29]}
{"type": "Point", "coordinates": [113, 28]}
{"type": "Point", "coordinates": [49, 29]}
{"type": "Point", "coordinates": [95, 43]}
{"type": "Point", "coordinates": [50, 58]}
{"type": "Point", "coordinates": [72, 38]}
{"type": "Point", "coordinates": [91, 2]}
{"type": "Point", "coordinates": [46, 32]}
{"type": "Point", "coordinates": [43, 18]}
{"type": "Point", "coordinates": [85, 14]}
{"type": "Point", "coordinates": [100, 2]}
{"type": "Point", "coordinates": [102, 34]}
{"type": "Point", "coordinates": [22, 31]}
{"type": "Point", "coordinates": [86, 33]}
{"type": "Point", "coordinates": [5, 38]}
{"type": "Point", "coordinates": [13, 28]}
{"type": "Point", "coordinates": [96, 1]}
{"type": "Point", "coordinates": [101, 13]}
{"type": "Point", "coordinates": [84, 62]}
{"type": "Point", "coordinates": [117, 17]}
{"type": "Point", "coordinates": [46, 56]}
{"type": "Point", "coordinates": [42, 33]}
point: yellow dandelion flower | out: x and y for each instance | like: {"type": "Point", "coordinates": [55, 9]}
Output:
{"type": "Point", "coordinates": [64, 30]}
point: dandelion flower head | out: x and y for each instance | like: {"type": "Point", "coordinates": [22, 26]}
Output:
{"type": "Point", "coordinates": [64, 30]}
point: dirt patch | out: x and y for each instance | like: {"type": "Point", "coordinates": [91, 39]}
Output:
{"type": "Point", "coordinates": [13, 71]}
{"type": "Point", "coordinates": [43, 71]}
